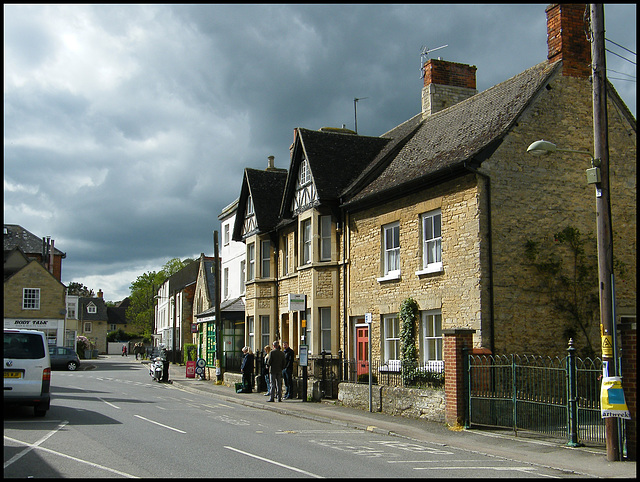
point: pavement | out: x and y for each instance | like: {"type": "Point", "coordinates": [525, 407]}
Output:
{"type": "Point", "coordinates": [531, 448]}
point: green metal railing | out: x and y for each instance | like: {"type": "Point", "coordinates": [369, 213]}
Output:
{"type": "Point", "coordinates": [559, 397]}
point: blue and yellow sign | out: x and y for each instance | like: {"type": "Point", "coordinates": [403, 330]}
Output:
{"type": "Point", "coordinates": [612, 403]}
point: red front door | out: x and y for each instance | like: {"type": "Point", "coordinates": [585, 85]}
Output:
{"type": "Point", "coordinates": [362, 349]}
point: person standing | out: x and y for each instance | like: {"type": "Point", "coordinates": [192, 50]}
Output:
{"type": "Point", "coordinates": [247, 370]}
{"type": "Point", "coordinates": [124, 350]}
{"type": "Point", "coordinates": [276, 364]}
{"type": "Point", "coordinates": [265, 370]}
{"type": "Point", "coordinates": [287, 371]}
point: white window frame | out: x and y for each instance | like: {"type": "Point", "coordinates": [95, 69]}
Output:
{"type": "Point", "coordinates": [243, 265]}
{"type": "Point", "coordinates": [285, 255]}
{"type": "Point", "coordinates": [265, 259]}
{"type": "Point", "coordinates": [431, 224]}
{"type": "Point", "coordinates": [304, 175]}
{"type": "Point", "coordinates": [325, 238]}
{"type": "Point", "coordinates": [325, 328]}
{"type": "Point", "coordinates": [391, 338]}
{"type": "Point", "coordinates": [265, 334]}
{"type": "Point", "coordinates": [390, 251]}
{"type": "Point", "coordinates": [30, 298]}
{"type": "Point", "coordinates": [91, 308]}
{"type": "Point", "coordinates": [225, 283]}
{"type": "Point", "coordinates": [306, 241]}
{"type": "Point", "coordinates": [87, 327]}
{"type": "Point", "coordinates": [251, 258]}
{"type": "Point", "coordinates": [431, 340]}
{"type": "Point", "coordinates": [251, 333]}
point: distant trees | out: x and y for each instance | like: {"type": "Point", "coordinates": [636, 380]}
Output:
{"type": "Point", "coordinates": [143, 291]}
{"type": "Point", "coordinates": [78, 289]}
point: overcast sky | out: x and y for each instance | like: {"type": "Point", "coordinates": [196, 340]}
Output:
{"type": "Point", "coordinates": [127, 128]}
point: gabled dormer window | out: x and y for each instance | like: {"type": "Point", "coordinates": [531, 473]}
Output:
{"type": "Point", "coordinates": [305, 194]}
{"type": "Point", "coordinates": [250, 223]}
{"type": "Point", "coordinates": [91, 308]}
{"type": "Point", "coordinates": [304, 175]}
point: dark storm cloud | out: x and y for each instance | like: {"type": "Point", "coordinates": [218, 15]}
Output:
{"type": "Point", "coordinates": [128, 127]}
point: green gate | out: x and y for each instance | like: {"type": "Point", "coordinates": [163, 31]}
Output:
{"type": "Point", "coordinates": [559, 397]}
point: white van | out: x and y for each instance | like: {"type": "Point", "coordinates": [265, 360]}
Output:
{"type": "Point", "coordinates": [27, 370]}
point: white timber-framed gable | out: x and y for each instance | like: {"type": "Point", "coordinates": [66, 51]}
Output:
{"type": "Point", "coordinates": [250, 223]}
{"type": "Point", "coordinates": [305, 194]}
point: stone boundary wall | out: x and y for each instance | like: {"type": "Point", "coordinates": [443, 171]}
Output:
{"type": "Point", "coordinates": [419, 403]}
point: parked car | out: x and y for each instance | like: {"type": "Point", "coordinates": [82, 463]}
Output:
{"type": "Point", "coordinates": [62, 357]}
{"type": "Point", "coordinates": [27, 370]}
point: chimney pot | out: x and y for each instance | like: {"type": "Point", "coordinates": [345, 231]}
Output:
{"type": "Point", "coordinates": [270, 164]}
{"type": "Point", "coordinates": [100, 294]}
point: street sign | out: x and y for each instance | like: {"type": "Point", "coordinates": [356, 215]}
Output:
{"type": "Point", "coordinates": [304, 355]}
{"type": "Point", "coordinates": [297, 302]}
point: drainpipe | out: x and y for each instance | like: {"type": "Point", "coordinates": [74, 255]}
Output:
{"type": "Point", "coordinates": [491, 302]}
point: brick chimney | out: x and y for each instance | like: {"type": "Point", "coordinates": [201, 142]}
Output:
{"type": "Point", "coordinates": [567, 38]}
{"type": "Point", "coordinates": [100, 294]}
{"type": "Point", "coordinates": [445, 84]}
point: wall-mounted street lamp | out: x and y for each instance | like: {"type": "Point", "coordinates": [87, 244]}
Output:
{"type": "Point", "coordinates": [541, 148]}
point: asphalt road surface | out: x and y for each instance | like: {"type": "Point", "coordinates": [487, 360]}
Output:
{"type": "Point", "coordinates": [111, 420]}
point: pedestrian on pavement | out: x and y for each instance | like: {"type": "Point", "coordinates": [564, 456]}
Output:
{"type": "Point", "coordinates": [287, 371]}
{"type": "Point", "coordinates": [265, 370]}
{"type": "Point", "coordinates": [247, 370]}
{"type": "Point", "coordinates": [124, 350]}
{"type": "Point", "coordinates": [165, 364]}
{"type": "Point", "coordinates": [276, 363]}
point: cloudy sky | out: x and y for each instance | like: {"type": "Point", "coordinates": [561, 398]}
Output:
{"type": "Point", "coordinates": [127, 128]}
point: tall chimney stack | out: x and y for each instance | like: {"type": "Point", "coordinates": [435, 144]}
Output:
{"type": "Point", "coordinates": [270, 163]}
{"type": "Point", "coordinates": [445, 84]}
{"type": "Point", "coordinates": [567, 27]}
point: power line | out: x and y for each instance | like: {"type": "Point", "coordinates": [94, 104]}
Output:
{"type": "Point", "coordinates": [625, 48]}
{"type": "Point", "coordinates": [618, 55]}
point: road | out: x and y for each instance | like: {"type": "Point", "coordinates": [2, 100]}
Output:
{"type": "Point", "coordinates": [111, 420]}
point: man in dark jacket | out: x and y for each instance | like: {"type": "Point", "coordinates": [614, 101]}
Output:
{"type": "Point", "coordinates": [276, 364]}
{"type": "Point", "coordinates": [287, 371]}
{"type": "Point", "coordinates": [247, 370]}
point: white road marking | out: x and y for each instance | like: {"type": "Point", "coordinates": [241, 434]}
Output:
{"type": "Point", "coordinates": [295, 469]}
{"type": "Point", "coordinates": [30, 447]}
{"type": "Point", "coordinates": [92, 464]}
{"type": "Point", "coordinates": [160, 424]}
{"type": "Point", "coordinates": [108, 403]}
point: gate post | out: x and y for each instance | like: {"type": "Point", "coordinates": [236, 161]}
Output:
{"type": "Point", "coordinates": [572, 398]}
{"type": "Point", "coordinates": [455, 339]}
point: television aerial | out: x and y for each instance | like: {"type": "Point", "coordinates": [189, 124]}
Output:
{"type": "Point", "coordinates": [424, 56]}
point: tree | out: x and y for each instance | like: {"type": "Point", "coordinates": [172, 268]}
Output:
{"type": "Point", "coordinates": [79, 289]}
{"type": "Point", "coordinates": [174, 265]}
{"type": "Point", "coordinates": [409, 311]}
{"type": "Point", "coordinates": [143, 291]}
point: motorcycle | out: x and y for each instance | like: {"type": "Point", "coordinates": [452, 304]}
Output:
{"type": "Point", "coordinates": [155, 369]}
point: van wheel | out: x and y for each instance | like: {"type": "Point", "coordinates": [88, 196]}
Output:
{"type": "Point", "coordinates": [72, 366]}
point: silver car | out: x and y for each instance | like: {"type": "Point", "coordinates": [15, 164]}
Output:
{"type": "Point", "coordinates": [27, 370]}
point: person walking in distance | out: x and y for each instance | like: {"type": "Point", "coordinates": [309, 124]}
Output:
{"type": "Point", "coordinates": [276, 364]}
{"type": "Point", "coordinates": [287, 371]}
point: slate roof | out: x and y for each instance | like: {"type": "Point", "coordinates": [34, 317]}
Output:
{"type": "Point", "coordinates": [234, 304]}
{"type": "Point", "coordinates": [466, 132]}
{"type": "Point", "coordinates": [335, 160]}
{"type": "Point", "coordinates": [266, 188]}
{"type": "Point", "coordinates": [101, 309]}
{"type": "Point", "coordinates": [17, 237]}
{"type": "Point", "coordinates": [183, 278]}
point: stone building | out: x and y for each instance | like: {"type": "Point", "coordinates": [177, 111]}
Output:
{"type": "Point", "coordinates": [447, 218]}
{"type": "Point", "coordinates": [445, 209]}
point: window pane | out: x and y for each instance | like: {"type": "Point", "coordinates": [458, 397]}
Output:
{"type": "Point", "coordinates": [436, 225]}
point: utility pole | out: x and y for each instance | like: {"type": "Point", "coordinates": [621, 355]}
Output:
{"type": "Point", "coordinates": [216, 262]}
{"type": "Point", "coordinates": [603, 214]}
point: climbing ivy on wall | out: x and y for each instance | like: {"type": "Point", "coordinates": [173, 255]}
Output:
{"type": "Point", "coordinates": [409, 312]}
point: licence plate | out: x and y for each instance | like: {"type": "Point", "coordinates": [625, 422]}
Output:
{"type": "Point", "coordinates": [12, 374]}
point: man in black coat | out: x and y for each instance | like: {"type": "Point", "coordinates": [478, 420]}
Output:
{"type": "Point", "coordinates": [287, 371]}
{"type": "Point", "coordinates": [247, 370]}
{"type": "Point", "coordinates": [276, 364]}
